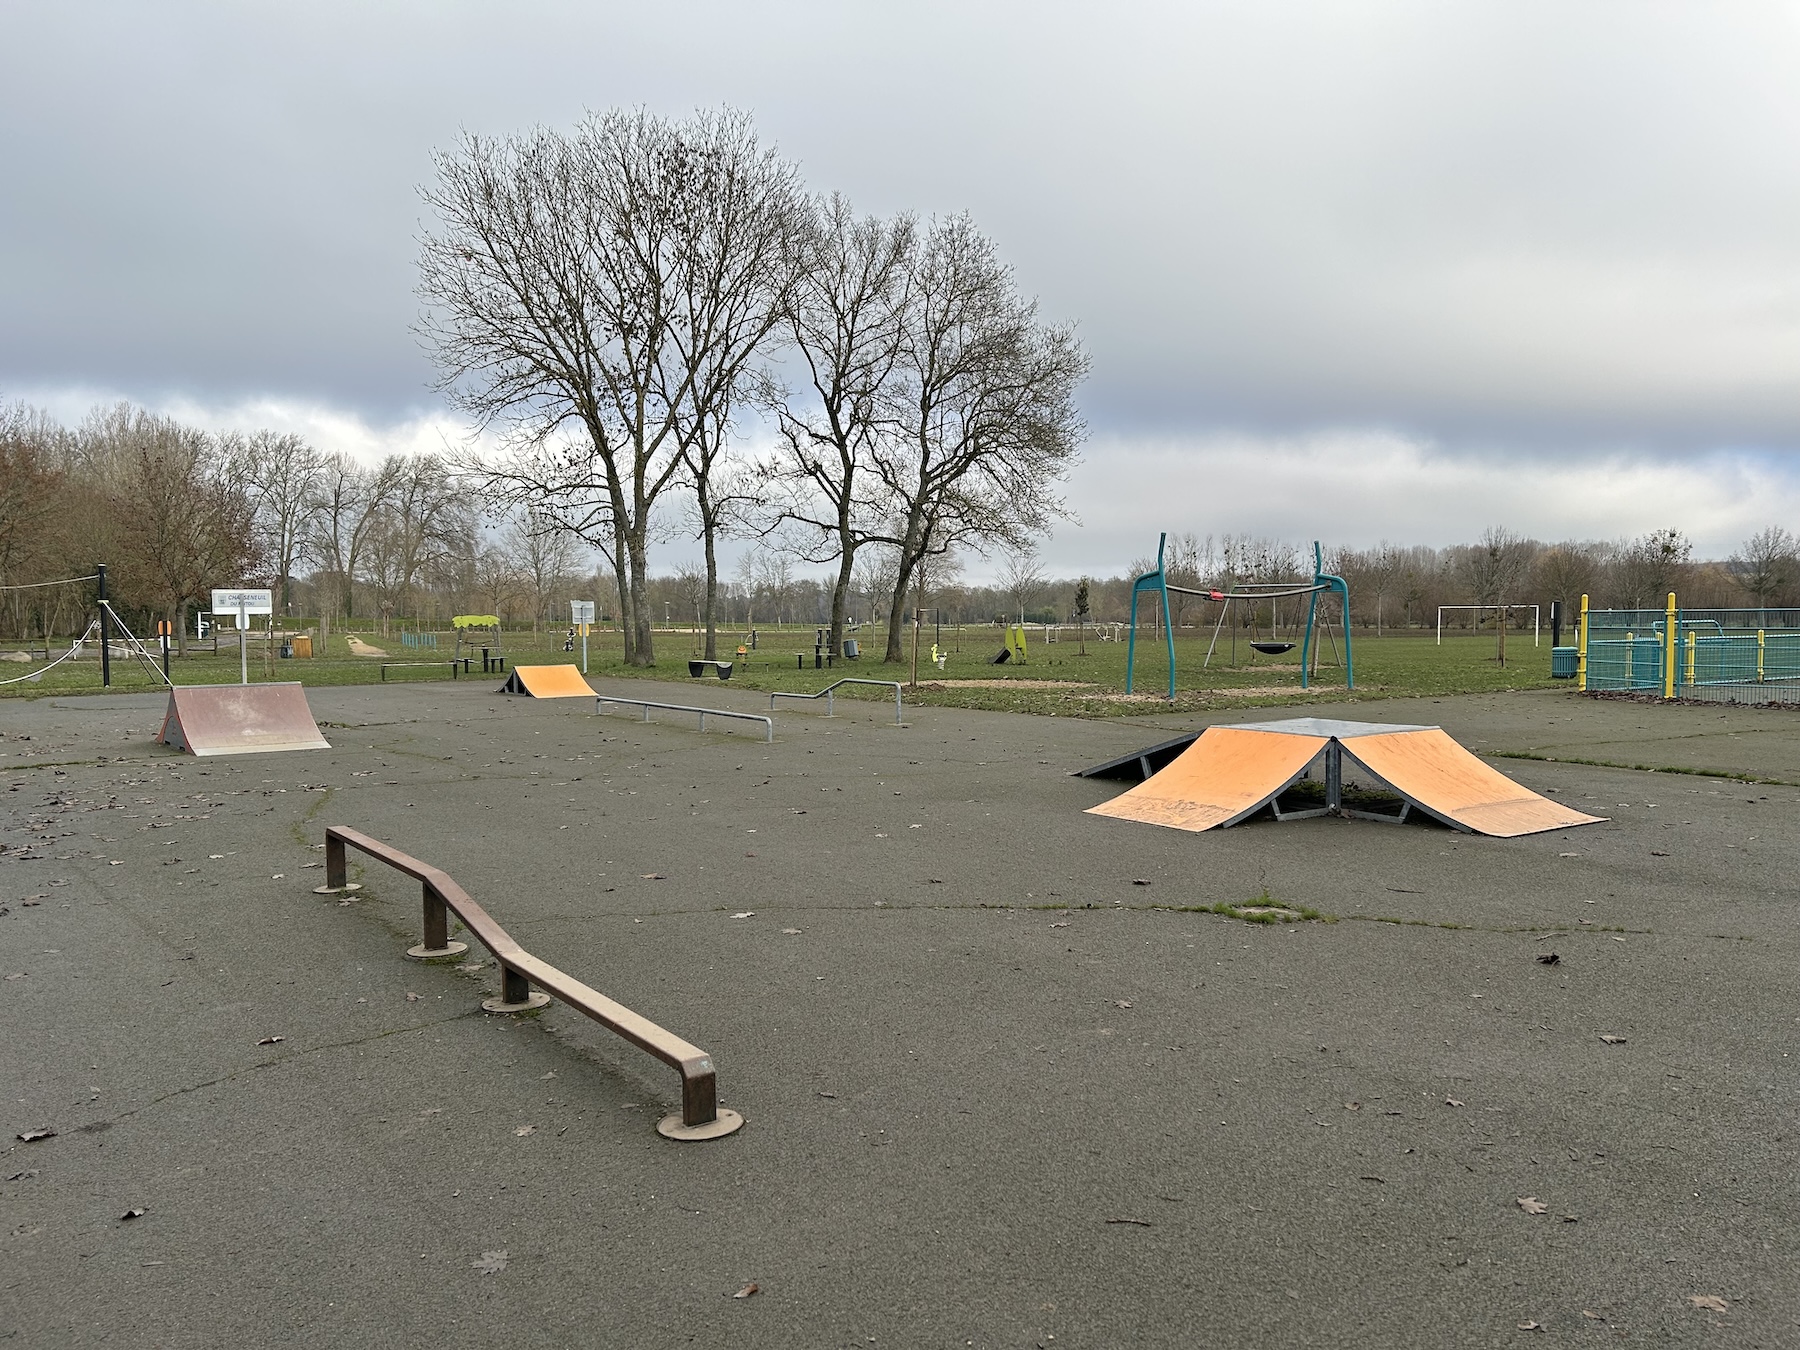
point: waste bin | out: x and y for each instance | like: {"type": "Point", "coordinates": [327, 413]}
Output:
{"type": "Point", "coordinates": [287, 647]}
{"type": "Point", "coordinates": [850, 649]}
{"type": "Point", "coordinates": [1563, 662]}
{"type": "Point", "coordinates": [302, 645]}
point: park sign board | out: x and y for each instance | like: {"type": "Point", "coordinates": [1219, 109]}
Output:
{"type": "Point", "coordinates": [581, 611]}
{"type": "Point", "coordinates": [243, 603]}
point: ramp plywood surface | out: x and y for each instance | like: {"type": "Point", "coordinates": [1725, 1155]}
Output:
{"type": "Point", "coordinates": [1221, 778]}
{"type": "Point", "coordinates": [547, 682]}
{"type": "Point", "coordinates": [1435, 772]}
{"type": "Point", "coordinates": [240, 719]}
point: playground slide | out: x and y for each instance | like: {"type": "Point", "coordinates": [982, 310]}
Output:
{"type": "Point", "coordinates": [1226, 775]}
{"type": "Point", "coordinates": [1432, 771]}
{"type": "Point", "coordinates": [546, 682]}
{"type": "Point", "coordinates": [239, 719]}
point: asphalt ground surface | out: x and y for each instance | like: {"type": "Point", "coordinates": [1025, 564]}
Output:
{"type": "Point", "coordinates": [1000, 1092]}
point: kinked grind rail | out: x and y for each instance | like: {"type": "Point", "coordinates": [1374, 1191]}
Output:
{"type": "Point", "coordinates": [825, 693]}
{"type": "Point", "coordinates": [701, 1115]}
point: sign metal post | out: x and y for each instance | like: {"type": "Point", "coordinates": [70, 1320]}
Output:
{"type": "Point", "coordinates": [581, 614]}
{"type": "Point", "coordinates": [244, 604]}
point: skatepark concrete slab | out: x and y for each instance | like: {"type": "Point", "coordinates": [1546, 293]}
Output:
{"type": "Point", "coordinates": [997, 1090]}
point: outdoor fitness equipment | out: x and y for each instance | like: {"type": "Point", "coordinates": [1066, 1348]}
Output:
{"type": "Point", "coordinates": [1255, 592]}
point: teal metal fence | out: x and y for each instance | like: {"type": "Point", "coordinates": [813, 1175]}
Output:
{"type": "Point", "coordinates": [1627, 648]}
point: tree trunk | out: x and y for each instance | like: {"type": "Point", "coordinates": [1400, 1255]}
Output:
{"type": "Point", "coordinates": [896, 653]}
{"type": "Point", "coordinates": [645, 653]}
{"type": "Point", "coordinates": [712, 591]}
{"type": "Point", "coordinates": [840, 595]}
{"type": "Point", "coordinates": [180, 631]}
{"type": "Point", "coordinates": [622, 582]}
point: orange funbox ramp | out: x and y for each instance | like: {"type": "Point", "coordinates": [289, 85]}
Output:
{"type": "Point", "coordinates": [1226, 775]}
{"type": "Point", "coordinates": [547, 682]}
{"type": "Point", "coordinates": [239, 719]}
{"type": "Point", "coordinates": [1232, 772]}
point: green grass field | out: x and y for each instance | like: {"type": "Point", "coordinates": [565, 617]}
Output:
{"type": "Point", "coordinates": [1057, 679]}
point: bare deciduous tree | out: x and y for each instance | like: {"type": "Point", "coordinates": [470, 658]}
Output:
{"type": "Point", "coordinates": [599, 296]}
{"type": "Point", "coordinates": [983, 406]}
{"type": "Point", "coordinates": [1022, 576]}
{"type": "Point", "coordinates": [845, 329]}
{"type": "Point", "coordinates": [1765, 564]}
{"type": "Point", "coordinates": [283, 474]}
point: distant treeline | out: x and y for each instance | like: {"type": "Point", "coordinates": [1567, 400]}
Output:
{"type": "Point", "coordinates": [175, 511]}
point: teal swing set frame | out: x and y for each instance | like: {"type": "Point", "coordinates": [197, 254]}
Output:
{"type": "Point", "coordinates": [1323, 582]}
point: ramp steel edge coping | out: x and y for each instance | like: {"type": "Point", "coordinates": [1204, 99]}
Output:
{"type": "Point", "coordinates": [647, 705]}
{"type": "Point", "coordinates": [701, 1116]}
{"type": "Point", "coordinates": [825, 694]}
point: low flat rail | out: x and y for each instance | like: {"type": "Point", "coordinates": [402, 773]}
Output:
{"type": "Point", "coordinates": [825, 693]}
{"type": "Point", "coordinates": [701, 1115]}
{"type": "Point", "coordinates": [386, 666]}
{"type": "Point", "coordinates": [647, 705]}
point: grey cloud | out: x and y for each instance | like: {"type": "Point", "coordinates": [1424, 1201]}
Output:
{"type": "Point", "coordinates": [1509, 224]}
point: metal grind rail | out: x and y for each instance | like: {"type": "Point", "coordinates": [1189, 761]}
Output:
{"type": "Point", "coordinates": [701, 1116]}
{"type": "Point", "coordinates": [647, 705]}
{"type": "Point", "coordinates": [825, 693]}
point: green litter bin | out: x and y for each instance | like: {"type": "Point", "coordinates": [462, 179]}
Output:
{"type": "Point", "coordinates": [1563, 661]}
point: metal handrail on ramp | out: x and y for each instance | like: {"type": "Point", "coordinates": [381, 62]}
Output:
{"type": "Point", "coordinates": [647, 705]}
{"type": "Point", "coordinates": [825, 693]}
{"type": "Point", "coordinates": [701, 1115]}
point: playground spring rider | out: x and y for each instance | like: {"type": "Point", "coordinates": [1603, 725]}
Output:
{"type": "Point", "coordinates": [1322, 581]}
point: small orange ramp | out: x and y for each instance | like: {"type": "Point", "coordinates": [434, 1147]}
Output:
{"type": "Point", "coordinates": [1440, 777]}
{"type": "Point", "coordinates": [1230, 773]}
{"type": "Point", "coordinates": [1226, 775]}
{"type": "Point", "coordinates": [547, 682]}
{"type": "Point", "coordinates": [239, 719]}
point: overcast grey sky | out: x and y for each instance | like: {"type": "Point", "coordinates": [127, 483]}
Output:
{"type": "Point", "coordinates": [1346, 270]}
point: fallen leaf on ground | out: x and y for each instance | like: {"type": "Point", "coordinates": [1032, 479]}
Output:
{"type": "Point", "coordinates": [1140, 882]}
{"type": "Point", "coordinates": [1568, 855]}
{"type": "Point", "coordinates": [524, 1130]}
{"type": "Point", "coordinates": [32, 1136]}
{"type": "Point", "coordinates": [1451, 1101]}
{"type": "Point", "coordinates": [135, 1212]}
{"type": "Point", "coordinates": [1549, 959]}
{"type": "Point", "coordinates": [654, 876]}
{"type": "Point", "coordinates": [748, 1291]}
{"type": "Point", "coordinates": [412, 998]}
{"type": "Point", "coordinates": [1531, 1326]}
{"type": "Point", "coordinates": [1370, 1176]}
{"type": "Point", "coordinates": [1532, 1205]}
{"type": "Point", "coordinates": [272, 1040]}
{"type": "Point", "coordinates": [746, 914]}
{"type": "Point", "coordinates": [1612, 1040]}
{"type": "Point", "coordinates": [790, 931]}
{"type": "Point", "coordinates": [1711, 1302]}
{"type": "Point", "coordinates": [1121, 1003]}
{"type": "Point", "coordinates": [1658, 853]}
{"type": "Point", "coordinates": [489, 1263]}
{"type": "Point", "coordinates": [1596, 1316]}
{"type": "Point", "coordinates": [1135, 1223]}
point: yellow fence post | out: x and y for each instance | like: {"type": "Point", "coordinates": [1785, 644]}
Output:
{"type": "Point", "coordinates": [1671, 644]}
{"type": "Point", "coordinates": [1759, 656]}
{"type": "Point", "coordinates": [1581, 649]}
{"type": "Point", "coordinates": [1690, 660]}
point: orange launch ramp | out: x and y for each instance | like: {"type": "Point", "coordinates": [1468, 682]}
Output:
{"type": "Point", "coordinates": [239, 719]}
{"type": "Point", "coordinates": [1230, 773]}
{"type": "Point", "coordinates": [546, 682]}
